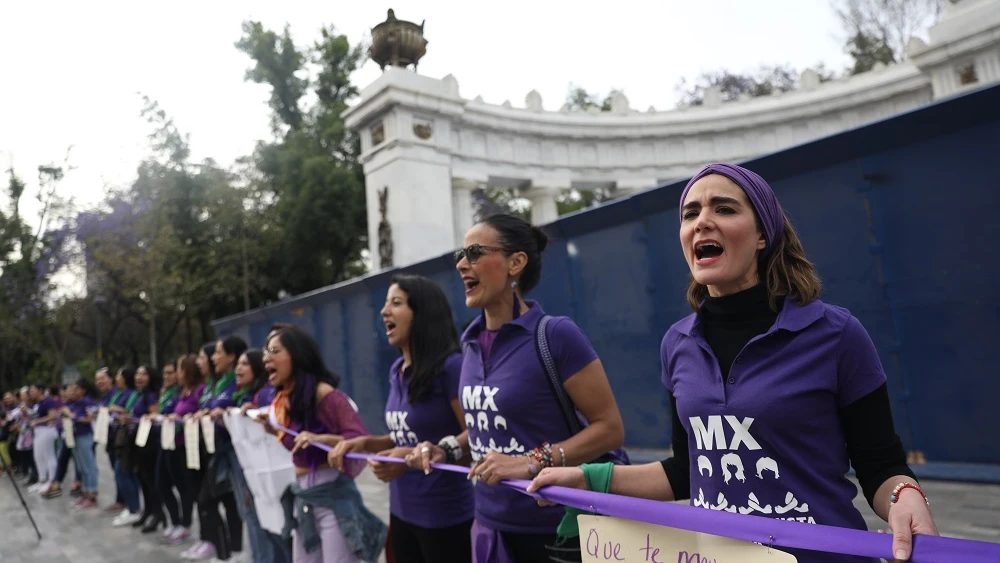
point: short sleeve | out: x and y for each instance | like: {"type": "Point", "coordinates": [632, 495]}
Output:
{"type": "Point", "coordinates": [453, 373]}
{"type": "Point", "coordinates": [337, 414]}
{"type": "Point", "coordinates": [859, 369]}
{"type": "Point", "coordinates": [668, 381]}
{"type": "Point", "coordinates": [570, 347]}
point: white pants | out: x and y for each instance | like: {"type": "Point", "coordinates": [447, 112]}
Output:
{"type": "Point", "coordinates": [45, 453]}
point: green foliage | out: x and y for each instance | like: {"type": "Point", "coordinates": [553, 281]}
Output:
{"type": "Point", "coordinates": [733, 85]}
{"type": "Point", "coordinates": [579, 99]}
{"type": "Point", "coordinates": [312, 171]}
{"type": "Point", "coordinates": [878, 31]}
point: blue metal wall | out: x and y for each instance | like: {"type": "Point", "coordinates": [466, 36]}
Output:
{"type": "Point", "coordinates": [901, 218]}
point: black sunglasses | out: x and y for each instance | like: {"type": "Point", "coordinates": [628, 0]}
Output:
{"type": "Point", "coordinates": [476, 251]}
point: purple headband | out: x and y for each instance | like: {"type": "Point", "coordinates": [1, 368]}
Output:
{"type": "Point", "coordinates": [761, 197]}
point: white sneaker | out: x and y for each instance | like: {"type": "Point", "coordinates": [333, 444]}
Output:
{"type": "Point", "coordinates": [169, 531]}
{"type": "Point", "coordinates": [126, 519]}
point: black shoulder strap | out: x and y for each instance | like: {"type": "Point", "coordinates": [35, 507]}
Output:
{"type": "Point", "coordinates": [549, 363]}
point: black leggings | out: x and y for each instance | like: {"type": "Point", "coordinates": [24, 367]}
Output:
{"type": "Point", "coordinates": [540, 548]}
{"type": "Point", "coordinates": [165, 486]}
{"type": "Point", "coordinates": [226, 534]}
{"type": "Point", "coordinates": [181, 479]}
{"type": "Point", "coordinates": [62, 465]}
{"type": "Point", "coordinates": [113, 457]}
{"type": "Point", "coordinates": [152, 503]}
{"type": "Point", "coordinates": [414, 544]}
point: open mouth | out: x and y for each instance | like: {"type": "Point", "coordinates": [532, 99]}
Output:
{"type": "Point", "coordinates": [707, 251]}
{"type": "Point", "coordinates": [470, 285]}
{"type": "Point", "coordinates": [389, 327]}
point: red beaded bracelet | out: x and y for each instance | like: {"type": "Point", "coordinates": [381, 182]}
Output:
{"type": "Point", "coordinates": [899, 488]}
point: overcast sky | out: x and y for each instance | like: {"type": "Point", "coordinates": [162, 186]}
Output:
{"type": "Point", "coordinates": [72, 70]}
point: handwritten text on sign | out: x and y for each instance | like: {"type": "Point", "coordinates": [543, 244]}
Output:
{"type": "Point", "coordinates": [604, 539]}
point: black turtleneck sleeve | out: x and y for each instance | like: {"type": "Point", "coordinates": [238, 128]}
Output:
{"type": "Point", "coordinates": [678, 467]}
{"type": "Point", "coordinates": [875, 449]}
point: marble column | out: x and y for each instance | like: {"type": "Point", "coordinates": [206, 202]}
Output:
{"type": "Point", "coordinates": [463, 206]}
{"type": "Point", "coordinates": [543, 204]}
{"type": "Point", "coordinates": [629, 186]}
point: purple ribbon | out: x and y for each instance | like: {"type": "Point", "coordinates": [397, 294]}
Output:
{"type": "Point", "coordinates": [765, 531]}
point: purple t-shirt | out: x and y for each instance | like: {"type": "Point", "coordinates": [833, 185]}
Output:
{"type": "Point", "coordinates": [45, 406]}
{"type": "Point", "coordinates": [84, 407]}
{"type": "Point", "coordinates": [187, 403]}
{"type": "Point", "coordinates": [441, 499]}
{"type": "Point", "coordinates": [769, 441]}
{"type": "Point", "coordinates": [265, 396]}
{"type": "Point", "coordinates": [510, 408]}
{"type": "Point", "coordinates": [225, 388]}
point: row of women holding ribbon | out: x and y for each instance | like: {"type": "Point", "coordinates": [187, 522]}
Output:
{"type": "Point", "coordinates": [773, 396]}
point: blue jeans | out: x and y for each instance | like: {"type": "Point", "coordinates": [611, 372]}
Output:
{"type": "Point", "coordinates": [265, 547]}
{"type": "Point", "coordinates": [85, 463]}
{"type": "Point", "coordinates": [128, 486]}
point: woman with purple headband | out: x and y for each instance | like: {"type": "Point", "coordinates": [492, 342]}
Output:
{"type": "Point", "coordinates": [774, 394]}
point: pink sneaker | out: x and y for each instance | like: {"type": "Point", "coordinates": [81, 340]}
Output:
{"type": "Point", "coordinates": [87, 503]}
{"type": "Point", "coordinates": [179, 536]}
{"type": "Point", "coordinates": [202, 550]}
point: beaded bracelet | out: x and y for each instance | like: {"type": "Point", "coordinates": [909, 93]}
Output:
{"type": "Point", "coordinates": [894, 497]}
{"type": "Point", "coordinates": [542, 456]}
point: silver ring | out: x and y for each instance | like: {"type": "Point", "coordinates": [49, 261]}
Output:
{"type": "Point", "coordinates": [425, 450]}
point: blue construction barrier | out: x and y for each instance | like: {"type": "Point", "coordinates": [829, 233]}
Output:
{"type": "Point", "coordinates": [901, 218]}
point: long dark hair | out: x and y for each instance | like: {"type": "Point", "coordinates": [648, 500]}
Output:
{"type": "Point", "coordinates": [432, 333]}
{"type": "Point", "coordinates": [209, 349]}
{"type": "Point", "coordinates": [260, 375]}
{"type": "Point", "coordinates": [308, 369]}
{"type": "Point", "coordinates": [89, 389]}
{"type": "Point", "coordinates": [155, 381]}
{"type": "Point", "coordinates": [233, 345]}
{"type": "Point", "coordinates": [128, 373]}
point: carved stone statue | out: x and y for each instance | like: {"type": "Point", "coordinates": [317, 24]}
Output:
{"type": "Point", "coordinates": [384, 230]}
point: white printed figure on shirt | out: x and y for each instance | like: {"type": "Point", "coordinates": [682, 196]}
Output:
{"type": "Point", "coordinates": [716, 434]}
{"type": "Point", "coordinates": [483, 416]}
{"type": "Point", "coordinates": [399, 430]}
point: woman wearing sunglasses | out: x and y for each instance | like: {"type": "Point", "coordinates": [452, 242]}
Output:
{"type": "Point", "coordinates": [516, 425]}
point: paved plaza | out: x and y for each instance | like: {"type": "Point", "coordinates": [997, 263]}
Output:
{"type": "Point", "coordinates": [961, 510]}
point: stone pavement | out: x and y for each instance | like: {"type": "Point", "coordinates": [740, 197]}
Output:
{"type": "Point", "coordinates": [961, 510]}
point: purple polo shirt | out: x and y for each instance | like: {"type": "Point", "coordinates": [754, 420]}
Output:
{"type": "Point", "coordinates": [510, 408]}
{"type": "Point", "coordinates": [768, 441]}
{"type": "Point", "coordinates": [84, 407]}
{"type": "Point", "coordinates": [441, 499]}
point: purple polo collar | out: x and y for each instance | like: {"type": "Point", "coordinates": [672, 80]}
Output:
{"type": "Point", "coordinates": [793, 317]}
{"type": "Point", "coordinates": [527, 321]}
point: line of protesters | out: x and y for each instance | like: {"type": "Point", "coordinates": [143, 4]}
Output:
{"type": "Point", "coordinates": [522, 395]}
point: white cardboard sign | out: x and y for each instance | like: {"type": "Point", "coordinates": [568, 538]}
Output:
{"type": "Point", "coordinates": [604, 539]}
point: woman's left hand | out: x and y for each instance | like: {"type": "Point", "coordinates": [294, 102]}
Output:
{"type": "Point", "coordinates": [302, 441]}
{"type": "Point", "coordinates": [217, 413]}
{"type": "Point", "coordinates": [495, 467]}
{"type": "Point", "coordinates": [387, 471]}
{"type": "Point", "coordinates": [909, 515]}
